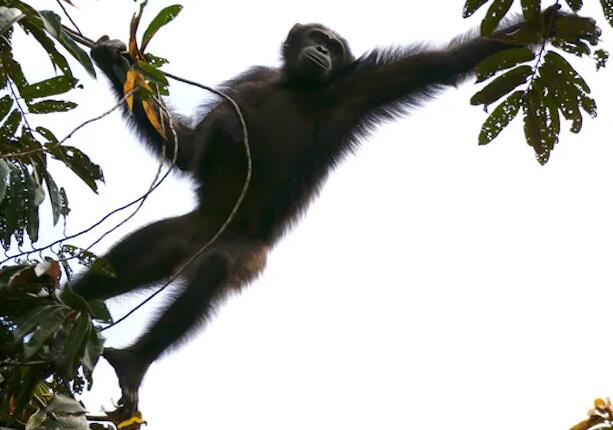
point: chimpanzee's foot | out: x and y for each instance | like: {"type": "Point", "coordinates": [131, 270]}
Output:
{"type": "Point", "coordinates": [130, 370]}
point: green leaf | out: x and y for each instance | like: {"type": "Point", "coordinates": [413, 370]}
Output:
{"type": "Point", "coordinates": [100, 311]}
{"type": "Point", "coordinates": [566, 71]}
{"type": "Point", "coordinates": [64, 209]}
{"type": "Point", "coordinates": [531, 10]}
{"type": "Point", "coordinates": [93, 349]}
{"type": "Point", "coordinates": [46, 328]}
{"type": "Point", "coordinates": [10, 66]}
{"type": "Point", "coordinates": [607, 8]}
{"type": "Point", "coordinates": [52, 22]}
{"type": "Point", "coordinates": [589, 105]}
{"type": "Point", "coordinates": [565, 95]}
{"type": "Point", "coordinates": [4, 178]}
{"type": "Point", "coordinates": [502, 85]}
{"type": "Point", "coordinates": [49, 106]}
{"type": "Point", "coordinates": [79, 54]}
{"type": "Point", "coordinates": [28, 383]}
{"type": "Point", "coordinates": [75, 344]}
{"type": "Point", "coordinates": [3, 79]}
{"type": "Point", "coordinates": [155, 61]}
{"type": "Point", "coordinates": [57, 59]}
{"type": "Point", "coordinates": [88, 259]}
{"type": "Point", "coordinates": [495, 13]}
{"type": "Point", "coordinates": [47, 134]}
{"type": "Point", "coordinates": [504, 113]}
{"type": "Point", "coordinates": [575, 47]}
{"type": "Point", "coordinates": [74, 300]}
{"type": "Point", "coordinates": [79, 163]}
{"type": "Point", "coordinates": [553, 115]}
{"type": "Point", "coordinates": [8, 17]}
{"type": "Point", "coordinates": [48, 87]}
{"type": "Point", "coordinates": [36, 197]}
{"type": "Point", "coordinates": [10, 126]}
{"type": "Point", "coordinates": [152, 72]}
{"type": "Point", "coordinates": [15, 206]}
{"type": "Point", "coordinates": [55, 197]}
{"type": "Point", "coordinates": [538, 130]}
{"type": "Point", "coordinates": [575, 5]}
{"type": "Point", "coordinates": [571, 28]}
{"type": "Point", "coordinates": [165, 16]}
{"type": "Point", "coordinates": [471, 6]}
{"type": "Point", "coordinates": [601, 56]}
{"type": "Point", "coordinates": [28, 322]}
{"type": "Point", "coordinates": [501, 61]}
{"type": "Point", "coordinates": [6, 103]}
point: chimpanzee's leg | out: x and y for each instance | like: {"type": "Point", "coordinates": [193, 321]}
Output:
{"type": "Point", "coordinates": [146, 256]}
{"type": "Point", "coordinates": [226, 266]}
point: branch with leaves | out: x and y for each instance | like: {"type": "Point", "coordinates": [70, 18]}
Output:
{"type": "Point", "coordinates": [544, 86]}
{"type": "Point", "coordinates": [25, 148]}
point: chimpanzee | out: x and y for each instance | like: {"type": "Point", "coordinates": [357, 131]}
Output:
{"type": "Point", "coordinates": [302, 118]}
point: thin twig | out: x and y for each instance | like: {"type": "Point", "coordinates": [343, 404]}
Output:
{"type": "Point", "coordinates": [99, 117]}
{"type": "Point", "coordinates": [78, 37]}
{"type": "Point", "coordinates": [24, 115]}
{"type": "Point", "coordinates": [154, 183]}
{"type": "Point", "coordinates": [539, 58]}
{"type": "Point", "coordinates": [21, 154]}
{"type": "Point", "coordinates": [69, 17]}
{"type": "Point", "coordinates": [101, 418]}
{"type": "Point", "coordinates": [23, 364]}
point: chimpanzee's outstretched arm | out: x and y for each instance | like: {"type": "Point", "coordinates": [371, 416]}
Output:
{"type": "Point", "coordinates": [109, 56]}
{"type": "Point", "coordinates": [385, 81]}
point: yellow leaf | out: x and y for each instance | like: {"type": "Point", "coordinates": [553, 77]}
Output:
{"type": "Point", "coordinates": [132, 44]}
{"type": "Point", "coordinates": [134, 422]}
{"type": "Point", "coordinates": [133, 49]}
{"type": "Point", "coordinates": [128, 87]}
{"type": "Point", "coordinates": [153, 118]}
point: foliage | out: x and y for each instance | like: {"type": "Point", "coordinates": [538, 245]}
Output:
{"type": "Point", "coordinates": [542, 86]}
{"type": "Point", "coordinates": [25, 149]}
{"type": "Point", "coordinates": [144, 74]}
{"type": "Point", "coordinates": [46, 332]}
{"type": "Point", "coordinates": [50, 337]}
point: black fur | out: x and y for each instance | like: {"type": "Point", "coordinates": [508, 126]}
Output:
{"type": "Point", "coordinates": [302, 119]}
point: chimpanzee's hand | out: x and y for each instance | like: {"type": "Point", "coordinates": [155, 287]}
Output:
{"type": "Point", "coordinates": [108, 53]}
{"type": "Point", "coordinates": [570, 25]}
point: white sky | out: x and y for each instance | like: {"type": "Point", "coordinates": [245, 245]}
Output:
{"type": "Point", "coordinates": [434, 283]}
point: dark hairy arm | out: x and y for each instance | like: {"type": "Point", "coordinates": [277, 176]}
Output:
{"type": "Point", "coordinates": [402, 75]}
{"type": "Point", "coordinates": [109, 56]}
{"type": "Point", "coordinates": [384, 82]}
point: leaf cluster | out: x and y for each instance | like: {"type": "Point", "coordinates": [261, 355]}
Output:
{"type": "Point", "coordinates": [50, 337]}
{"type": "Point", "coordinates": [45, 331]}
{"type": "Point", "coordinates": [543, 85]}
{"type": "Point", "coordinates": [145, 74]}
{"type": "Point", "coordinates": [25, 149]}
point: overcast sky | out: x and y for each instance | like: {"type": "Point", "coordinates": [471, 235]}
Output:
{"type": "Point", "coordinates": [433, 283]}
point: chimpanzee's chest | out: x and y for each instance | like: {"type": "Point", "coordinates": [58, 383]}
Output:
{"type": "Point", "coordinates": [287, 140]}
